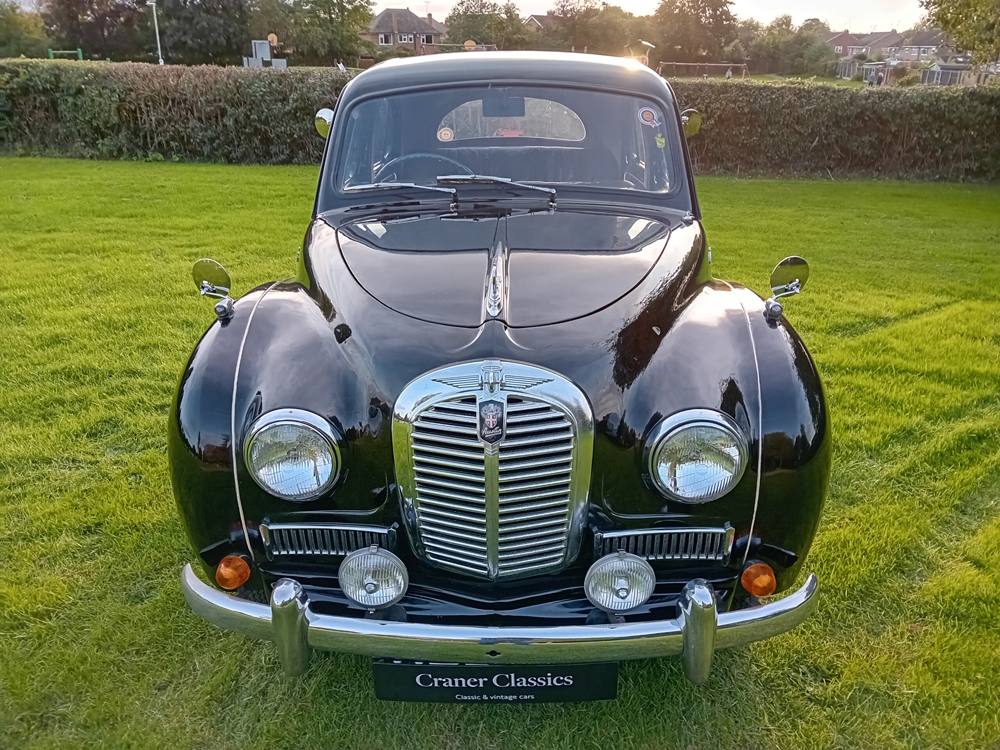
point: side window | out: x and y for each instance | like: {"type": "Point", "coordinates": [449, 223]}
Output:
{"type": "Point", "coordinates": [370, 138]}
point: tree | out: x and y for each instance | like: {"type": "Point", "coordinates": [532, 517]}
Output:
{"type": "Point", "coordinates": [487, 22]}
{"type": "Point", "coordinates": [326, 32]}
{"type": "Point", "coordinates": [693, 30]}
{"type": "Point", "coordinates": [973, 25]}
{"type": "Point", "coordinates": [734, 52]}
{"type": "Point", "coordinates": [782, 48]}
{"type": "Point", "coordinates": [271, 17]}
{"type": "Point", "coordinates": [21, 33]}
{"type": "Point", "coordinates": [116, 29]}
{"type": "Point", "coordinates": [205, 31]}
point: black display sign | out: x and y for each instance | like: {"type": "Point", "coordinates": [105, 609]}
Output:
{"type": "Point", "coordinates": [492, 683]}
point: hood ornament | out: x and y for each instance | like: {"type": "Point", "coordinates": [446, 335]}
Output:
{"type": "Point", "coordinates": [496, 284]}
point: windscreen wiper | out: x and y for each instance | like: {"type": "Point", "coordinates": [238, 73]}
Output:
{"type": "Point", "coordinates": [482, 179]}
{"type": "Point", "coordinates": [390, 185]}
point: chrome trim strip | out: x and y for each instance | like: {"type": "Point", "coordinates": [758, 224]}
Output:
{"type": "Point", "coordinates": [760, 421]}
{"type": "Point", "coordinates": [563, 644]}
{"type": "Point", "coordinates": [232, 420]}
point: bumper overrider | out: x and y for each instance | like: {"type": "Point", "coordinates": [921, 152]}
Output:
{"type": "Point", "coordinates": [696, 633]}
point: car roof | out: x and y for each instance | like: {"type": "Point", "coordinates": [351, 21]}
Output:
{"type": "Point", "coordinates": [617, 73]}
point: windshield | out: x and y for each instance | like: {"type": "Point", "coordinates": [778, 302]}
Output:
{"type": "Point", "coordinates": [549, 135]}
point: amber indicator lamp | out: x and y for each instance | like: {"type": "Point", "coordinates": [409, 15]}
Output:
{"type": "Point", "coordinates": [759, 579]}
{"type": "Point", "coordinates": [232, 572]}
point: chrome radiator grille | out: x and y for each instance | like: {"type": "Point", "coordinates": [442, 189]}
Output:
{"type": "Point", "coordinates": [322, 539]}
{"type": "Point", "coordinates": [710, 545]}
{"type": "Point", "coordinates": [450, 471]}
{"type": "Point", "coordinates": [505, 508]}
{"type": "Point", "coordinates": [535, 474]}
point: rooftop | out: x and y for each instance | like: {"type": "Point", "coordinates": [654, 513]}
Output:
{"type": "Point", "coordinates": [556, 68]}
{"type": "Point", "coordinates": [404, 21]}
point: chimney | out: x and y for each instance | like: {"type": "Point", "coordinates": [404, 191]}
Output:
{"type": "Point", "coordinates": [429, 17]}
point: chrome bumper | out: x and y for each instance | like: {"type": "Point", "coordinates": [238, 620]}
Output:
{"type": "Point", "coordinates": [695, 634]}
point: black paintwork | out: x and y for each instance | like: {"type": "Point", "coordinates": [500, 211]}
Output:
{"type": "Point", "coordinates": [638, 323]}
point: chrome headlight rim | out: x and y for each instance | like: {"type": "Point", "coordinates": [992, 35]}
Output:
{"type": "Point", "coordinates": [298, 418]}
{"type": "Point", "coordinates": [670, 426]}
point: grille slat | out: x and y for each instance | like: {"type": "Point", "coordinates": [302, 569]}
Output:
{"type": "Point", "coordinates": [536, 439]}
{"type": "Point", "coordinates": [711, 545]}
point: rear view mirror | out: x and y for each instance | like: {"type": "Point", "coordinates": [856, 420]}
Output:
{"type": "Point", "coordinates": [324, 119]}
{"type": "Point", "coordinates": [213, 281]}
{"type": "Point", "coordinates": [691, 120]}
{"type": "Point", "coordinates": [503, 106]}
{"type": "Point", "coordinates": [787, 278]}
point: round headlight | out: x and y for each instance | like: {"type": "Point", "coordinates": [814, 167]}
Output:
{"type": "Point", "coordinates": [293, 454]}
{"type": "Point", "coordinates": [373, 577]}
{"type": "Point", "coordinates": [619, 582]}
{"type": "Point", "coordinates": [696, 456]}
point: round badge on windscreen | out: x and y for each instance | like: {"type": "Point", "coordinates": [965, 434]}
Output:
{"type": "Point", "coordinates": [648, 116]}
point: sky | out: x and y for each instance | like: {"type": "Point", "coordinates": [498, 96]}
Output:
{"type": "Point", "coordinates": [856, 15]}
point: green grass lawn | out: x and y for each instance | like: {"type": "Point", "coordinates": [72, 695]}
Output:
{"type": "Point", "coordinates": [98, 315]}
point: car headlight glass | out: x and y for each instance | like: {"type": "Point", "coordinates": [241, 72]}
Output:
{"type": "Point", "coordinates": [697, 456]}
{"type": "Point", "coordinates": [373, 577]}
{"type": "Point", "coordinates": [619, 582]}
{"type": "Point", "coordinates": [293, 454]}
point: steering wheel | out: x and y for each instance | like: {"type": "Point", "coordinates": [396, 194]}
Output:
{"type": "Point", "coordinates": [392, 164]}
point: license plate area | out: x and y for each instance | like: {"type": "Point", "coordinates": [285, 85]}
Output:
{"type": "Point", "coordinates": [431, 682]}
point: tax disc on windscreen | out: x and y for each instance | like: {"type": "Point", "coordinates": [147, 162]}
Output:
{"type": "Point", "coordinates": [446, 134]}
{"type": "Point", "coordinates": [648, 116]}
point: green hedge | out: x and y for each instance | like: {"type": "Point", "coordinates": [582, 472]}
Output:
{"type": "Point", "coordinates": [263, 116]}
{"type": "Point", "coordinates": [933, 133]}
{"type": "Point", "coordinates": [142, 111]}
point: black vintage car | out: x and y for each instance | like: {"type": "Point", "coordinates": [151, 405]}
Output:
{"type": "Point", "coordinates": [503, 414]}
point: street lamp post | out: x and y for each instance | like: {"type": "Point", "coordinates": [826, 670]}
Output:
{"type": "Point", "coordinates": [156, 26]}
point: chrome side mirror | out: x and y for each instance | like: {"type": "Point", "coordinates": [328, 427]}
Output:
{"type": "Point", "coordinates": [213, 281]}
{"type": "Point", "coordinates": [324, 119]}
{"type": "Point", "coordinates": [691, 120]}
{"type": "Point", "coordinates": [787, 278]}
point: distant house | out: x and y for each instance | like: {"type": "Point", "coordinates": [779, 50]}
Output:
{"type": "Point", "coordinates": [402, 29]}
{"type": "Point", "coordinates": [841, 42]}
{"type": "Point", "coordinates": [877, 44]}
{"type": "Point", "coordinates": [543, 24]}
{"type": "Point", "coordinates": [925, 45]}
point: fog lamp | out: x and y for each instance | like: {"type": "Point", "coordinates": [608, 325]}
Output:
{"type": "Point", "coordinates": [232, 572]}
{"type": "Point", "coordinates": [373, 577]}
{"type": "Point", "coordinates": [619, 582]}
{"type": "Point", "coordinates": [758, 579]}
